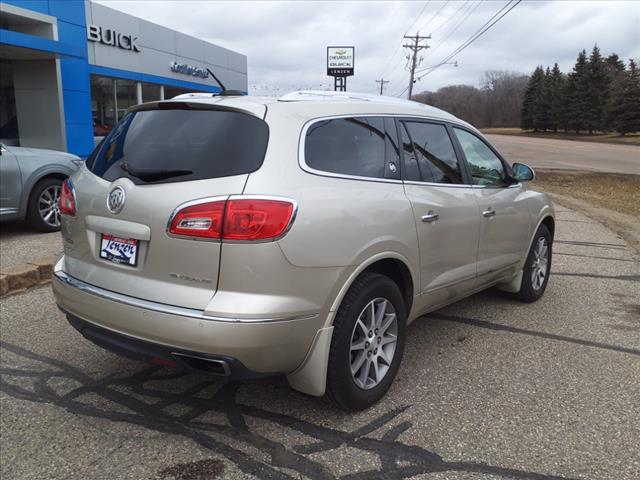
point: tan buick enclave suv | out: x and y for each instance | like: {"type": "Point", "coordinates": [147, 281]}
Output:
{"type": "Point", "coordinates": [299, 236]}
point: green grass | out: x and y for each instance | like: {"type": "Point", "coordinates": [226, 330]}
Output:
{"type": "Point", "coordinates": [629, 139]}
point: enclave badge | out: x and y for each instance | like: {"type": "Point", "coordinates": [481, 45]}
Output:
{"type": "Point", "coordinates": [115, 200]}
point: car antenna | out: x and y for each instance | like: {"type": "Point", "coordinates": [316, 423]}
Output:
{"type": "Point", "coordinates": [225, 92]}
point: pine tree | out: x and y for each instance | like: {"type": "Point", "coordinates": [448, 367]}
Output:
{"type": "Point", "coordinates": [558, 99]}
{"type": "Point", "coordinates": [614, 64]}
{"type": "Point", "coordinates": [532, 102]}
{"type": "Point", "coordinates": [578, 94]}
{"type": "Point", "coordinates": [546, 115]}
{"type": "Point", "coordinates": [625, 101]}
{"type": "Point", "coordinates": [632, 116]}
{"type": "Point", "coordinates": [617, 80]}
{"type": "Point", "coordinates": [597, 91]}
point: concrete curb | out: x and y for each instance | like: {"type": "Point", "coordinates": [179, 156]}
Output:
{"type": "Point", "coordinates": [19, 278]}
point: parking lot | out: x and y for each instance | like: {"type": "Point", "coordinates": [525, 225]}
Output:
{"type": "Point", "coordinates": [489, 388]}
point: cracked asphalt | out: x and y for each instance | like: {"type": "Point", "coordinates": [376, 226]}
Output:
{"type": "Point", "coordinates": [489, 388]}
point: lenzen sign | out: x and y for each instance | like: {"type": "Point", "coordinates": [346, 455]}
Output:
{"type": "Point", "coordinates": [340, 61]}
{"type": "Point", "coordinates": [108, 36]}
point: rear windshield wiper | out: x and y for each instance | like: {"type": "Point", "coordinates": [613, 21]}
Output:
{"type": "Point", "coordinates": [153, 174]}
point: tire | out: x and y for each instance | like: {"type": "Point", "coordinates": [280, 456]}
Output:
{"type": "Point", "coordinates": [360, 391]}
{"type": "Point", "coordinates": [533, 286]}
{"type": "Point", "coordinates": [43, 198]}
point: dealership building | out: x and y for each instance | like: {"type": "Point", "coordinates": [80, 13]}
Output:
{"type": "Point", "coordinates": [69, 69]}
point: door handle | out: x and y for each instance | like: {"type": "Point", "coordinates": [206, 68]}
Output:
{"type": "Point", "coordinates": [489, 212]}
{"type": "Point", "coordinates": [430, 217]}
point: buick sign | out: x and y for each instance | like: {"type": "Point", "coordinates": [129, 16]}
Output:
{"type": "Point", "coordinates": [115, 199]}
{"type": "Point", "coordinates": [109, 36]}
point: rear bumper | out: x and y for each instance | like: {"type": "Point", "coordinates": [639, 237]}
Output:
{"type": "Point", "coordinates": [160, 354]}
{"type": "Point", "coordinates": [270, 346]}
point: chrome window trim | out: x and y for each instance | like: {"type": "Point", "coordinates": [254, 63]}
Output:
{"type": "Point", "coordinates": [73, 282]}
{"type": "Point", "coordinates": [442, 185]}
{"type": "Point", "coordinates": [301, 144]}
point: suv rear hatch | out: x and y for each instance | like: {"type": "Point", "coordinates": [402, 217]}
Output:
{"type": "Point", "coordinates": [157, 158]}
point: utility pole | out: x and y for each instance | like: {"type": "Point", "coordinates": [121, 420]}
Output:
{"type": "Point", "coordinates": [382, 81]}
{"type": "Point", "coordinates": [415, 47]}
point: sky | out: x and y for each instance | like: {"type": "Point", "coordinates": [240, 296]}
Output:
{"type": "Point", "coordinates": [285, 42]}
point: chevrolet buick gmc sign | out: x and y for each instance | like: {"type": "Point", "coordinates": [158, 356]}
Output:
{"type": "Point", "coordinates": [109, 36]}
{"type": "Point", "coordinates": [340, 61]}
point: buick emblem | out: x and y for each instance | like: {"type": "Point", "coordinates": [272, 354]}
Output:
{"type": "Point", "coordinates": [115, 200]}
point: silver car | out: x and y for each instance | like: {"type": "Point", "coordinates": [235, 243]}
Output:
{"type": "Point", "coordinates": [299, 236]}
{"type": "Point", "coordinates": [30, 183]}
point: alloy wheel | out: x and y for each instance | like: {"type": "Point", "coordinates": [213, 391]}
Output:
{"type": "Point", "coordinates": [540, 263]}
{"type": "Point", "coordinates": [49, 207]}
{"type": "Point", "coordinates": [373, 343]}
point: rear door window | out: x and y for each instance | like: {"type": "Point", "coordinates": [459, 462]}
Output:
{"type": "Point", "coordinates": [177, 145]}
{"type": "Point", "coordinates": [357, 146]}
{"type": "Point", "coordinates": [429, 155]}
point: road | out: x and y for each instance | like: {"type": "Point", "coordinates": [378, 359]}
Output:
{"type": "Point", "coordinates": [489, 388]}
{"type": "Point", "coordinates": [566, 154]}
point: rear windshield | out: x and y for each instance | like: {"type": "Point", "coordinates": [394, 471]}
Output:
{"type": "Point", "coordinates": [178, 145]}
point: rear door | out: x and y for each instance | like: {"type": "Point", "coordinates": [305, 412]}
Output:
{"type": "Point", "coordinates": [502, 207]}
{"type": "Point", "coordinates": [444, 207]}
{"type": "Point", "coordinates": [153, 162]}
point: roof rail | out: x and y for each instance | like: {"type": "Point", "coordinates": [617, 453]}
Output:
{"type": "Point", "coordinates": [193, 95]}
{"type": "Point", "coordinates": [315, 95]}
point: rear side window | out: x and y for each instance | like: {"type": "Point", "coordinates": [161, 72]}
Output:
{"type": "Point", "coordinates": [177, 145]}
{"type": "Point", "coordinates": [428, 154]}
{"type": "Point", "coordinates": [357, 146]}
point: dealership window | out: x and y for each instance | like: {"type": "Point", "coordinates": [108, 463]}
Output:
{"type": "Point", "coordinates": [8, 115]}
{"type": "Point", "coordinates": [150, 92]}
{"type": "Point", "coordinates": [126, 94]}
{"type": "Point", "coordinates": [170, 92]}
{"type": "Point", "coordinates": [102, 104]}
{"type": "Point", "coordinates": [111, 97]}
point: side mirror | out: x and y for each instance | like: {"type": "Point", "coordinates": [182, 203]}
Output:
{"type": "Point", "coordinates": [522, 172]}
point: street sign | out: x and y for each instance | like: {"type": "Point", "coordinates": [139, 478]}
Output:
{"type": "Point", "coordinates": [340, 61]}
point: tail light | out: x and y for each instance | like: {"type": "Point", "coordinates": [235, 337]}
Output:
{"type": "Point", "coordinates": [67, 199]}
{"type": "Point", "coordinates": [235, 219]}
{"type": "Point", "coordinates": [200, 220]}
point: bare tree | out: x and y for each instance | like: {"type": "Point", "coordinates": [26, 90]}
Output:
{"type": "Point", "coordinates": [496, 103]}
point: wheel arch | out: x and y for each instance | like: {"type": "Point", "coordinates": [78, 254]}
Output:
{"type": "Point", "coordinates": [393, 265]}
{"type": "Point", "coordinates": [33, 180]}
{"type": "Point", "coordinates": [311, 376]}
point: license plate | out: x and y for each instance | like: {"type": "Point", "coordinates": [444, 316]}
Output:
{"type": "Point", "coordinates": [119, 250]}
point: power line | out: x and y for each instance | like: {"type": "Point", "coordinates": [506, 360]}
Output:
{"type": "Point", "coordinates": [490, 23]}
{"type": "Point", "coordinates": [450, 18]}
{"type": "Point", "coordinates": [455, 27]}
{"type": "Point", "coordinates": [402, 92]}
{"type": "Point", "coordinates": [401, 40]}
{"type": "Point", "coordinates": [433, 17]}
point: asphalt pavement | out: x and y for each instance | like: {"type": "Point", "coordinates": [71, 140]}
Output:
{"type": "Point", "coordinates": [489, 388]}
{"type": "Point", "coordinates": [548, 153]}
{"type": "Point", "coordinates": [20, 243]}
